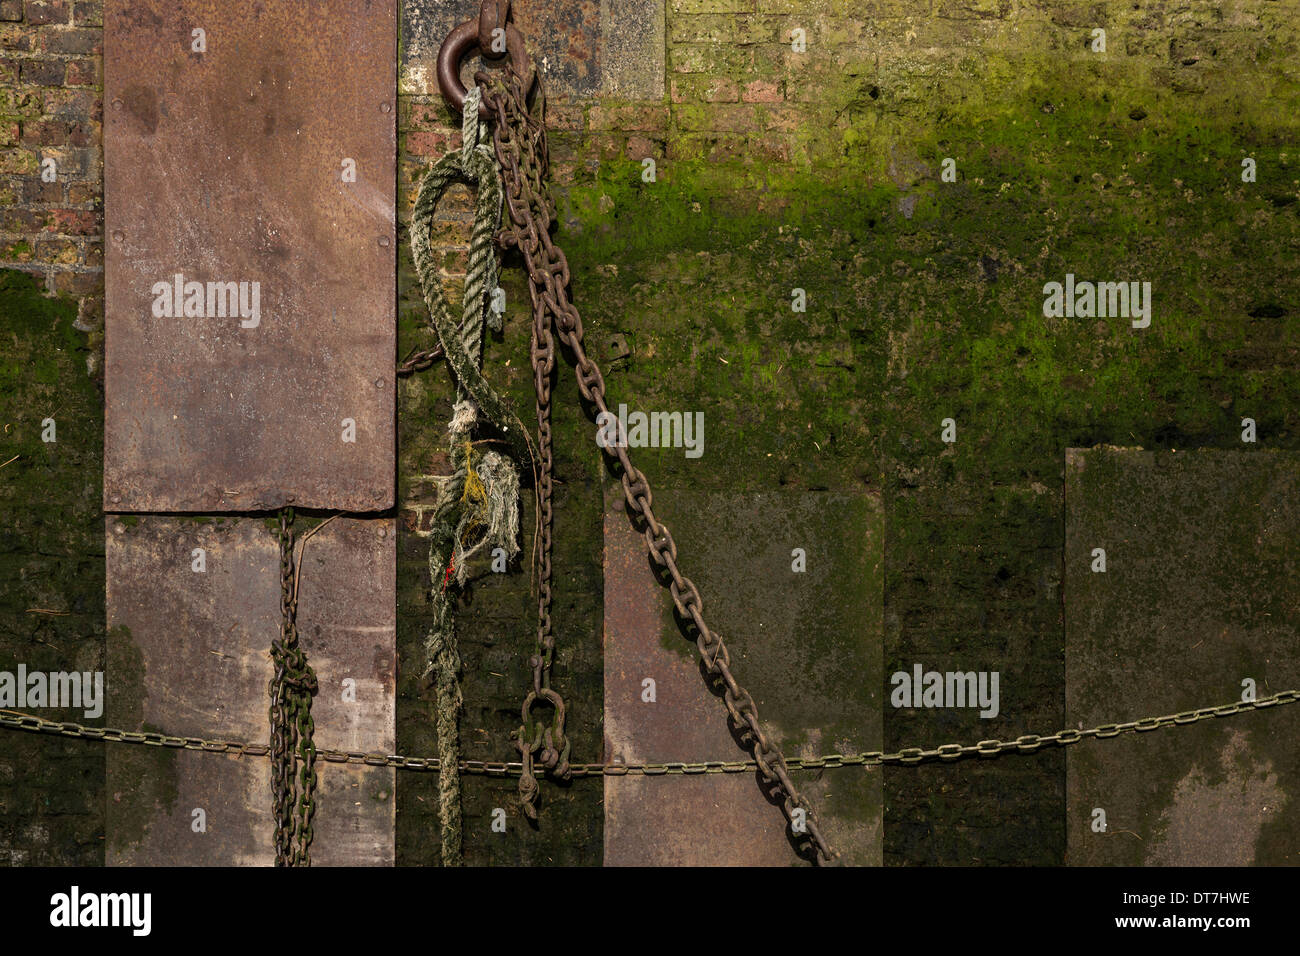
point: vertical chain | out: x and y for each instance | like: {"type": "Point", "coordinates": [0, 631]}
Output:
{"type": "Point", "coordinates": [519, 137]}
{"type": "Point", "coordinates": [282, 727]}
{"type": "Point", "coordinates": [548, 743]}
{"type": "Point", "coordinates": [293, 685]}
{"type": "Point", "coordinates": [539, 742]}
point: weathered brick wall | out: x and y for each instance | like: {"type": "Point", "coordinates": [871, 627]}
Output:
{"type": "Point", "coordinates": [837, 148]}
{"type": "Point", "coordinates": [735, 90]}
{"type": "Point", "coordinates": [51, 109]}
{"type": "Point", "coordinates": [776, 169]}
{"type": "Point", "coordinates": [51, 533]}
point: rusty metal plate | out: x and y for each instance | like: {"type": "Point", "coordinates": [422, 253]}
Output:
{"type": "Point", "coordinates": [188, 655]}
{"type": "Point", "coordinates": [237, 386]}
{"type": "Point", "coordinates": [1201, 590]}
{"type": "Point", "coordinates": [807, 645]}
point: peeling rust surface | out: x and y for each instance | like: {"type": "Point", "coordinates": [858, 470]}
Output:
{"type": "Point", "coordinates": [228, 166]}
{"type": "Point", "coordinates": [1200, 592]}
{"type": "Point", "coordinates": [189, 655]}
{"type": "Point", "coordinates": [806, 645]}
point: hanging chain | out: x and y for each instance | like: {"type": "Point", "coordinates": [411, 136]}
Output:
{"type": "Point", "coordinates": [539, 742]}
{"type": "Point", "coordinates": [949, 753]}
{"type": "Point", "coordinates": [521, 149]}
{"type": "Point", "coordinates": [292, 728]}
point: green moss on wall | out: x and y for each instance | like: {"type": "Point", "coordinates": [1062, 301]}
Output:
{"type": "Point", "coordinates": [925, 302]}
{"type": "Point", "coordinates": [51, 560]}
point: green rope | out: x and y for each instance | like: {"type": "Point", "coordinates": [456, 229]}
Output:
{"type": "Point", "coordinates": [462, 342]}
{"type": "Point", "coordinates": [478, 505]}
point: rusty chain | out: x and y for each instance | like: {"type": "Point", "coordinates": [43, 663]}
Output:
{"type": "Point", "coordinates": [419, 361]}
{"type": "Point", "coordinates": [539, 742]}
{"type": "Point", "coordinates": [521, 150]}
{"type": "Point", "coordinates": [292, 727]}
{"type": "Point", "coordinates": [910, 756]}
{"type": "Point", "coordinates": [519, 136]}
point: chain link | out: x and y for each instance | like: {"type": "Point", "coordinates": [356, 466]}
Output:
{"type": "Point", "coordinates": [520, 145]}
{"type": "Point", "coordinates": [519, 136]}
{"type": "Point", "coordinates": [292, 727]}
{"type": "Point", "coordinates": [1027, 743]}
{"type": "Point", "coordinates": [519, 142]}
{"type": "Point", "coordinates": [419, 361]}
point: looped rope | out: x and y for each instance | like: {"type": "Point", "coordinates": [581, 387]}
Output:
{"type": "Point", "coordinates": [463, 342]}
{"type": "Point", "coordinates": [478, 505]}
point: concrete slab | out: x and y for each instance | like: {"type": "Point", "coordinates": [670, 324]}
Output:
{"type": "Point", "coordinates": [1201, 591]}
{"type": "Point", "coordinates": [250, 242]}
{"type": "Point", "coordinates": [807, 645]}
{"type": "Point", "coordinates": [189, 655]}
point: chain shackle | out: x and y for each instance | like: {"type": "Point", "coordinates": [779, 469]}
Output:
{"type": "Point", "coordinates": [492, 36]}
{"type": "Point", "coordinates": [492, 16]}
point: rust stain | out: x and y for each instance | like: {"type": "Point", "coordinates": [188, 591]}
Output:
{"type": "Point", "coordinates": [227, 166]}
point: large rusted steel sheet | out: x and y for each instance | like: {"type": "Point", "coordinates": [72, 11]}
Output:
{"type": "Point", "coordinates": [189, 655]}
{"type": "Point", "coordinates": [807, 645]}
{"type": "Point", "coordinates": [249, 190]}
{"type": "Point", "coordinates": [1201, 591]}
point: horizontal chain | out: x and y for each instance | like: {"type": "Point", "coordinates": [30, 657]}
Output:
{"type": "Point", "coordinates": [1026, 743]}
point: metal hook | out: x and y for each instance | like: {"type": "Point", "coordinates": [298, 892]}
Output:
{"type": "Point", "coordinates": [471, 35]}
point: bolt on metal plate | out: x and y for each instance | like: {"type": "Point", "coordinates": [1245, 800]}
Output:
{"type": "Point", "coordinates": [249, 190]}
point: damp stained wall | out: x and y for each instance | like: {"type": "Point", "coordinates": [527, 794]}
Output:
{"type": "Point", "coordinates": [775, 170]}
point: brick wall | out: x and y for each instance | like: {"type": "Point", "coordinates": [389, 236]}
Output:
{"type": "Point", "coordinates": [814, 168]}
{"type": "Point", "coordinates": [51, 548]}
{"type": "Point", "coordinates": [51, 108]}
{"type": "Point", "coordinates": [735, 90]}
